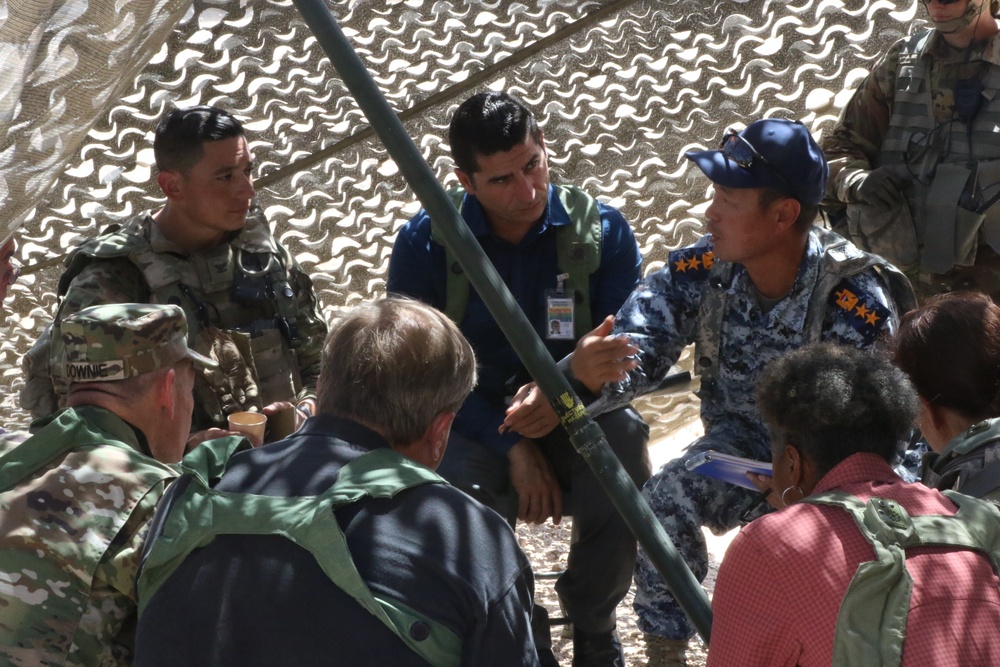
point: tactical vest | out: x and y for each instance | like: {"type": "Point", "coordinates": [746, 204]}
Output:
{"type": "Point", "coordinates": [578, 249]}
{"type": "Point", "coordinates": [182, 525]}
{"type": "Point", "coordinates": [871, 622]}
{"type": "Point", "coordinates": [955, 168]}
{"type": "Point", "coordinates": [241, 310]}
{"type": "Point", "coordinates": [839, 259]}
{"type": "Point", "coordinates": [82, 437]}
{"type": "Point", "coordinates": [970, 464]}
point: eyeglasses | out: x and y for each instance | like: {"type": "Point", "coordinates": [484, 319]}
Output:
{"type": "Point", "coordinates": [742, 152]}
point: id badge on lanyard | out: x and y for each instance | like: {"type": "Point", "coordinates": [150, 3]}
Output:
{"type": "Point", "coordinates": [559, 311]}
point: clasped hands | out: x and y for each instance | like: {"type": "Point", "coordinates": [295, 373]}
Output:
{"type": "Point", "coordinates": [598, 358]}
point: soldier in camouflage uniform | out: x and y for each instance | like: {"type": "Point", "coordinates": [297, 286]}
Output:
{"type": "Point", "coordinates": [76, 496]}
{"type": "Point", "coordinates": [763, 281]}
{"type": "Point", "coordinates": [915, 156]}
{"type": "Point", "coordinates": [248, 303]}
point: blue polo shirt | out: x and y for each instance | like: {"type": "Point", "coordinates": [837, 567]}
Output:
{"type": "Point", "coordinates": [418, 269]}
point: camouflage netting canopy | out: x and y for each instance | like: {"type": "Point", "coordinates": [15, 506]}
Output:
{"type": "Point", "coordinates": [83, 82]}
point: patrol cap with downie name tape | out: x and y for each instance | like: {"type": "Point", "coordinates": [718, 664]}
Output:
{"type": "Point", "coordinates": [118, 341]}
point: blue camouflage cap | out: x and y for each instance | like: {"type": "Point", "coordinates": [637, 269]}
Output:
{"type": "Point", "coordinates": [118, 341]}
{"type": "Point", "coordinates": [769, 153]}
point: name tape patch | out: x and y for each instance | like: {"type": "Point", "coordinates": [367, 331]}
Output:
{"type": "Point", "coordinates": [80, 371]}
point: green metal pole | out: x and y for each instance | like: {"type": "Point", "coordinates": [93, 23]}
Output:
{"type": "Point", "coordinates": [586, 436]}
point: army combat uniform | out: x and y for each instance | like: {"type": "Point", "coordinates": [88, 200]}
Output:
{"type": "Point", "coordinates": [77, 495]}
{"type": "Point", "coordinates": [930, 113]}
{"type": "Point", "coordinates": [249, 306]}
{"type": "Point", "coordinates": [696, 299]}
{"type": "Point", "coordinates": [71, 530]}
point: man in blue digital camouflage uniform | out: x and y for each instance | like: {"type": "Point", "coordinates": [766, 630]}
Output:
{"type": "Point", "coordinates": [761, 282]}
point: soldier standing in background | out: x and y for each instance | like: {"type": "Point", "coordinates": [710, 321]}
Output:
{"type": "Point", "coordinates": [915, 156]}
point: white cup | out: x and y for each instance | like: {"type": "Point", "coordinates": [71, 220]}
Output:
{"type": "Point", "coordinates": [250, 424]}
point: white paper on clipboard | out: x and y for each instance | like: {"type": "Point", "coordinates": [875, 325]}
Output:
{"type": "Point", "coordinates": [728, 468]}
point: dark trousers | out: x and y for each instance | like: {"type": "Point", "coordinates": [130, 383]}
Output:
{"type": "Point", "coordinates": [602, 551]}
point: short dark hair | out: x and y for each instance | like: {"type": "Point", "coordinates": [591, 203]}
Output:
{"type": "Point", "coordinates": [395, 364]}
{"type": "Point", "coordinates": [177, 145]}
{"type": "Point", "coordinates": [950, 348]}
{"type": "Point", "coordinates": [489, 123]}
{"type": "Point", "coordinates": [831, 401]}
{"type": "Point", "coordinates": [807, 212]}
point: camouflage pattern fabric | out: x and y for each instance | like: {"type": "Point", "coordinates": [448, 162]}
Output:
{"type": "Point", "coordinates": [122, 340]}
{"type": "Point", "coordinates": [244, 290]}
{"type": "Point", "coordinates": [75, 500]}
{"type": "Point", "coordinates": [662, 317]}
{"type": "Point", "coordinates": [873, 132]}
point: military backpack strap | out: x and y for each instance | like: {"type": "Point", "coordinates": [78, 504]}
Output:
{"type": "Point", "coordinates": [456, 281]}
{"type": "Point", "coordinates": [871, 622]}
{"type": "Point", "coordinates": [207, 461]}
{"type": "Point", "coordinates": [578, 250]}
{"type": "Point", "coordinates": [198, 514]}
{"type": "Point", "coordinates": [710, 314]}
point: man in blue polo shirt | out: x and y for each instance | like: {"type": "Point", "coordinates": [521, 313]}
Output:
{"type": "Point", "coordinates": [566, 258]}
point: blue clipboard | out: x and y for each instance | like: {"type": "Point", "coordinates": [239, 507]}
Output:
{"type": "Point", "coordinates": [728, 468]}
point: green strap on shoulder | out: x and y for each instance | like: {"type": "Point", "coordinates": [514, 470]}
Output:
{"type": "Point", "coordinates": [76, 434]}
{"type": "Point", "coordinates": [208, 460]}
{"type": "Point", "coordinates": [578, 255]}
{"type": "Point", "coordinates": [871, 623]}
{"type": "Point", "coordinates": [202, 513]}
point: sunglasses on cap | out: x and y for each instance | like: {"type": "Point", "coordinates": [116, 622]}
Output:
{"type": "Point", "coordinates": [742, 152]}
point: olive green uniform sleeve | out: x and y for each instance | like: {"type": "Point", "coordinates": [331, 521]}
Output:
{"type": "Point", "coordinates": [853, 148]}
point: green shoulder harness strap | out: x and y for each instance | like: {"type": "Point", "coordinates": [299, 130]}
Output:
{"type": "Point", "coordinates": [209, 458]}
{"type": "Point", "coordinates": [871, 623]}
{"type": "Point", "coordinates": [578, 249]}
{"type": "Point", "coordinates": [200, 514]}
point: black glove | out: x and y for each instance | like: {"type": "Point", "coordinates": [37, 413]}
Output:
{"type": "Point", "coordinates": [882, 188]}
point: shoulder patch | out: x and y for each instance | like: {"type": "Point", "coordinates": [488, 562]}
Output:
{"type": "Point", "coordinates": [862, 311]}
{"type": "Point", "coordinates": [689, 264]}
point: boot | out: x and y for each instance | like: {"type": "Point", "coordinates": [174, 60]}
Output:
{"type": "Point", "coordinates": [597, 649]}
{"type": "Point", "coordinates": [663, 652]}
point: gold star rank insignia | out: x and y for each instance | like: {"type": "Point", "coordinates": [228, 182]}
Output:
{"type": "Point", "coordinates": [690, 264]}
{"type": "Point", "coordinates": [847, 299]}
{"type": "Point", "coordinates": [859, 309]}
